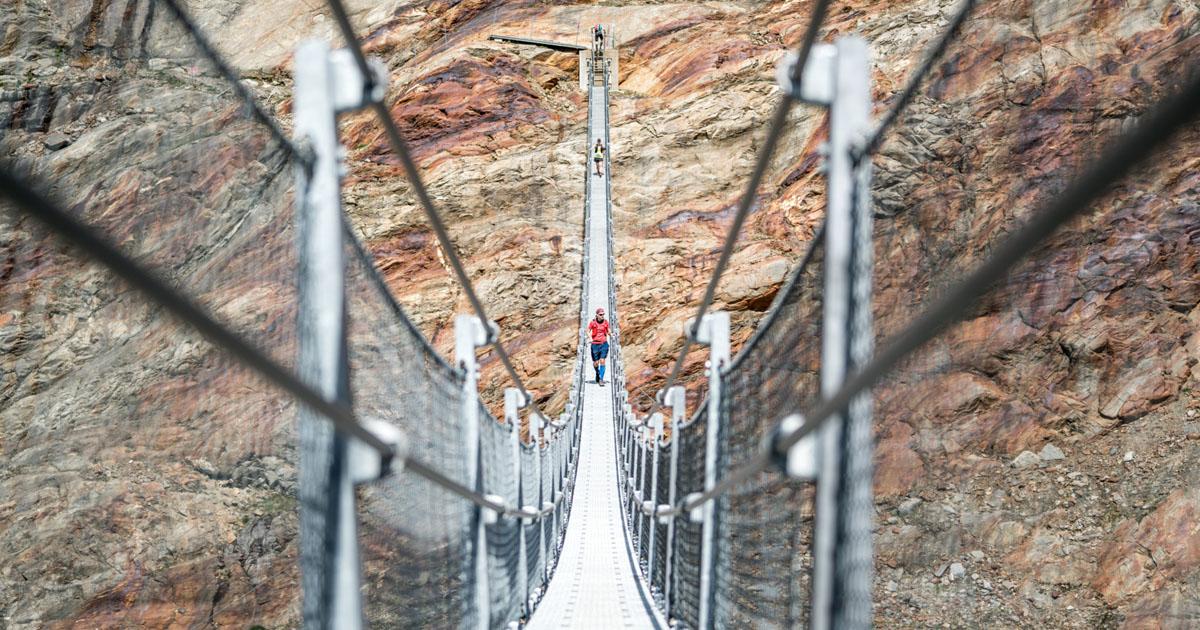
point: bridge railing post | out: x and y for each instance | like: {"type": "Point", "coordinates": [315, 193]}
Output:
{"type": "Point", "coordinates": [470, 333]}
{"type": "Point", "coordinates": [713, 331]}
{"type": "Point", "coordinates": [676, 397]}
{"type": "Point", "coordinates": [651, 503]}
{"type": "Point", "coordinates": [541, 450]}
{"type": "Point", "coordinates": [326, 84]}
{"type": "Point", "coordinates": [635, 507]}
{"type": "Point", "coordinates": [839, 77]}
{"type": "Point", "coordinates": [514, 401]}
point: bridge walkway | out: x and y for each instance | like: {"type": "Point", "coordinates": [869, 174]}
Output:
{"type": "Point", "coordinates": [595, 584]}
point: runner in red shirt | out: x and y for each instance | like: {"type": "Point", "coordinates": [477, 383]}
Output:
{"type": "Point", "coordinates": [598, 330]}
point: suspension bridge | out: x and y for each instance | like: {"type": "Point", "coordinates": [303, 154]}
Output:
{"type": "Point", "coordinates": [418, 508]}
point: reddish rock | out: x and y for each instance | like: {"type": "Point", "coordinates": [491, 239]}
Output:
{"type": "Point", "coordinates": [1146, 554]}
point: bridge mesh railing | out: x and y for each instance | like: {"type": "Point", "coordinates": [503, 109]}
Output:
{"type": "Point", "coordinates": [139, 139]}
{"type": "Point", "coordinates": [414, 535]}
{"type": "Point", "coordinates": [964, 185]}
{"type": "Point", "coordinates": [164, 159]}
{"type": "Point", "coordinates": [657, 574]}
{"type": "Point", "coordinates": [761, 573]}
{"type": "Point", "coordinates": [685, 591]}
{"type": "Point", "coordinates": [1024, 366]}
{"type": "Point", "coordinates": [764, 527]}
{"type": "Point", "coordinates": [503, 536]}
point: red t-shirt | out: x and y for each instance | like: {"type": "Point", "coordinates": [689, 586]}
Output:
{"type": "Point", "coordinates": [599, 331]}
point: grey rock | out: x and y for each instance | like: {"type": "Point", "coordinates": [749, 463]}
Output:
{"type": "Point", "coordinates": [1026, 459]}
{"type": "Point", "coordinates": [55, 141]}
{"type": "Point", "coordinates": [1051, 453]}
{"type": "Point", "coordinates": [957, 570]}
{"type": "Point", "coordinates": [908, 505]}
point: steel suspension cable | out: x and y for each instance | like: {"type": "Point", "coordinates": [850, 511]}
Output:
{"type": "Point", "coordinates": [227, 72]}
{"type": "Point", "coordinates": [746, 202]}
{"type": "Point", "coordinates": [40, 208]}
{"type": "Point", "coordinates": [60, 221]}
{"type": "Point", "coordinates": [400, 147]}
{"type": "Point", "coordinates": [1117, 161]}
{"type": "Point", "coordinates": [768, 320]}
{"type": "Point", "coordinates": [875, 140]}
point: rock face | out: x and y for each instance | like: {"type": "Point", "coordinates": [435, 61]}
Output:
{"type": "Point", "coordinates": [133, 493]}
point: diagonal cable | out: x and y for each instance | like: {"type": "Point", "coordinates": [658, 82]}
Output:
{"type": "Point", "coordinates": [40, 208]}
{"type": "Point", "coordinates": [774, 133]}
{"type": "Point", "coordinates": [1118, 160]}
{"type": "Point", "coordinates": [918, 76]}
{"type": "Point", "coordinates": [227, 72]}
{"type": "Point", "coordinates": [81, 235]}
{"type": "Point", "coordinates": [400, 148]}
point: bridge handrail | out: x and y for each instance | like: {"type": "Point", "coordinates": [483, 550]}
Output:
{"type": "Point", "coordinates": [413, 174]}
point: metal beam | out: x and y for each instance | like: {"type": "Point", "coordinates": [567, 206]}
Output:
{"type": "Point", "coordinates": [544, 43]}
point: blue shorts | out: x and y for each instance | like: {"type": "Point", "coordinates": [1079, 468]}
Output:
{"type": "Point", "coordinates": [599, 351]}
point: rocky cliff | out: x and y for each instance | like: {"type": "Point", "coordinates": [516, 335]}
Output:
{"type": "Point", "coordinates": [1033, 468]}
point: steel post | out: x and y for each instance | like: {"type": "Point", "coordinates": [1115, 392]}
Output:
{"type": "Point", "coordinates": [326, 85]}
{"type": "Point", "coordinates": [656, 425]}
{"type": "Point", "coordinates": [713, 331]}
{"type": "Point", "coordinates": [469, 334]}
{"type": "Point", "coordinates": [513, 402]}
{"type": "Point", "coordinates": [855, 561]}
{"type": "Point", "coordinates": [676, 397]}
{"type": "Point", "coordinates": [849, 120]}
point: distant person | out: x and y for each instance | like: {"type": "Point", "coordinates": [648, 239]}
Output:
{"type": "Point", "coordinates": [598, 331]}
{"type": "Point", "coordinates": [598, 156]}
{"type": "Point", "coordinates": [598, 38]}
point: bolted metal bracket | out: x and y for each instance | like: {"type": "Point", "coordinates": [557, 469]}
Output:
{"type": "Point", "coordinates": [514, 401]}
{"type": "Point", "coordinates": [817, 85]}
{"type": "Point", "coordinates": [696, 514]}
{"type": "Point", "coordinates": [490, 516]}
{"type": "Point", "coordinates": [469, 334]}
{"type": "Point", "coordinates": [351, 90]}
{"type": "Point", "coordinates": [800, 461]}
{"type": "Point", "coordinates": [366, 464]}
{"type": "Point", "coordinates": [713, 332]}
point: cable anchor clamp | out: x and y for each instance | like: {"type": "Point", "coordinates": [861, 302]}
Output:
{"type": "Point", "coordinates": [813, 84]}
{"type": "Point", "coordinates": [351, 90]}
{"type": "Point", "coordinates": [696, 513]}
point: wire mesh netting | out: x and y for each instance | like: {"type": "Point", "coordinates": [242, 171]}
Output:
{"type": "Point", "coordinates": [503, 536]}
{"type": "Point", "coordinates": [148, 431]}
{"type": "Point", "coordinates": [764, 526]}
{"type": "Point", "coordinates": [658, 576]}
{"type": "Point", "coordinates": [761, 572]}
{"type": "Point", "coordinates": [1057, 351]}
{"type": "Point", "coordinates": [413, 535]}
{"type": "Point", "coordinates": [545, 533]}
{"type": "Point", "coordinates": [531, 498]}
{"type": "Point", "coordinates": [643, 520]}
{"type": "Point", "coordinates": [685, 592]}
